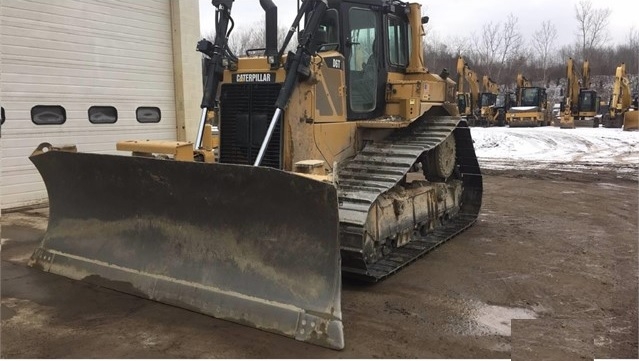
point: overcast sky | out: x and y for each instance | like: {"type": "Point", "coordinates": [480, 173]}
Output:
{"type": "Point", "coordinates": [466, 17]}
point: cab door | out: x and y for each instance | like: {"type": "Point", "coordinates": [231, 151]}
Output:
{"type": "Point", "coordinates": [365, 60]}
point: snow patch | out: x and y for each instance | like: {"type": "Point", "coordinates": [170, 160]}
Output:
{"type": "Point", "coordinates": [579, 149]}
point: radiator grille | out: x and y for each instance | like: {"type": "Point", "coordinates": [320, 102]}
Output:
{"type": "Point", "coordinates": [245, 113]}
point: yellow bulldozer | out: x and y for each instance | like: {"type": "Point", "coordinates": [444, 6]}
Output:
{"type": "Point", "coordinates": [345, 157]}
{"type": "Point", "coordinates": [531, 109]}
{"type": "Point", "coordinates": [581, 104]}
{"type": "Point", "coordinates": [620, 110]}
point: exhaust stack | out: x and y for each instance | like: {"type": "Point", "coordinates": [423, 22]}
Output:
{"type": "Point", "coordinates": [270, 9]}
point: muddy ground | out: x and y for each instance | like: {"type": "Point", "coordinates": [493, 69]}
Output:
{"type": "Point", "coordinates": [556, 252]}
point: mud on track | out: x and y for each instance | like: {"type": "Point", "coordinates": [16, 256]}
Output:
{"type": "Point", "coordinates": [555, 251]}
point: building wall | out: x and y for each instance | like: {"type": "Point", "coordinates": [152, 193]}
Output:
{"type": "Point", "coordinates": [79, 54]}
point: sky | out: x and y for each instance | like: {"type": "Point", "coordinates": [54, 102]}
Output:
{"type": "Point", "coordinates": [462, 18]}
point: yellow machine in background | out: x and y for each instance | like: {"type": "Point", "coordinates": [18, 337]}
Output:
{"type": "Point", "coordinates": [580, 103]}
{"type": "Point", "coordinates": [631, 119]}
{"type": "Point", "coordinates": [503, 102]}
{"type": "Point", "coordinates": [345, 157]}
{"type": "Point", "coordinates": [620, 110]}
{"type": "Point", "coordinates": [487, 98]}
{"type": "Point", "coordinates": [532, 106]}
{"type": "Point", "coordinates": [467, 102]}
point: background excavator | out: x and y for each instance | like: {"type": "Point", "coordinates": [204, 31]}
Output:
{"type": "Point", "coordinates": [532, 105]}
{"type": "Point", "coordinates": [620, 110]}
{"type": "Point", "coordinates": [503, 102]}
{"type": "Point", "coordinates": [580, 105]}
{"type": "Point", "coordinates": [487, 99]}
{"type": "Point", "coordinates": [467, 102]}
{"type": "Point", "coordinates": [344, 157]}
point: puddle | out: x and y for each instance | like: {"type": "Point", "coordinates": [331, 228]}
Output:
{"type": "Point", "coordinates": [568, 192]}
{"type": "Point", "coordinates": [487, 319]}
{"type": "Point", "coordinates": [148, 340]}
{"type": "Point", "coordinates": [497, 319]}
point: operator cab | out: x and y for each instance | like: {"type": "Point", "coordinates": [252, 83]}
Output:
{"type": "Point", "coordinates": [532, 97]}
{"type": "Point", "coordinates": [505, 101]}
{"type": "Point", "coordinates": [462, 102]}
{"type": "Point", "coordinates": [488, 99]}
{"type": "Point", "coordinates": [374, 37]}
{"type": "Point", "coordinates": [588, 101]}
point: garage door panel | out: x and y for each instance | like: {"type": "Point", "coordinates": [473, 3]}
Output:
{"type": "Point", "coordinates": [17, 149]}
{"type": "Point", "coordinates": [87, 15]}
{"type": "Point", "coordinates": [93, 72]}
{"type": "Point", "coordinates": [73, 87]}
{"type": "Point", "coordinates": [72, 42]}
{"type": "Point", "coordinates": [85, 56]}
{"type": "Point", "coordinates": [107, 53]}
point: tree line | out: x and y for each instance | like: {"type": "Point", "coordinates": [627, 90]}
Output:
{"type": "Point", "coordinates": [501, 51]}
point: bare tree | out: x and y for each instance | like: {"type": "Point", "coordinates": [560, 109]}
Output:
{"type": "Point", "coordinates": [487, 45]}
{"type": "Point", "coordinates": [629, 52]}
{"type": "Point", "coordinates": [592, 26]}
{"type": "Point", "coordinates": [633, 38]}
{"type": "Point", "coordinates": [497, 46]}
{"type": "Point", "coordinates": [543, 44]}
{"type": "Point", "coordinates": [512, 41]}
{"type": "Point", "coordinates": [460, 45]}
{"type": "Point", "coordinates": [253, 37]}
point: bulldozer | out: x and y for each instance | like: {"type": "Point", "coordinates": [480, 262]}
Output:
{"type": "Point", "coordinates": [344, 158]}
{"type": "Point", "coordinates": [467, 102]}
{"type": "Point", "coordinates": [531, 109]}
{"type": "Point", "coordinates": [581, 104]}
{"type": "Point", "coordinates": [620, 110]}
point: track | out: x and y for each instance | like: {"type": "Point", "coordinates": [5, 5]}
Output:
{"type": "Point", "coordinates": [381, 166]}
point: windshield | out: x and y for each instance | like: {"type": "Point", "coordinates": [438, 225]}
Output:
{"type": "Point", "coordinates": [587, 102]}
{"type": "Point", "coordinates": [501, 101]}
{"type": "Point", "coordinates": [461, 103]}
{"type": "Point", "coordinates": [530, 97]}
{"type": "Point", "coordinates": [487, 99]}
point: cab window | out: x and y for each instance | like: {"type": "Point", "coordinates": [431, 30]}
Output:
{"type": "Point", "coordinates": [329, 31]}
{"type": "Point", "coordinates": [363, 59]}
{"type": "Point", "coordinates": [397, 41]}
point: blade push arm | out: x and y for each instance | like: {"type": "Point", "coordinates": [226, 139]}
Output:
{"type": "Point", "coordinates": [216, 52]}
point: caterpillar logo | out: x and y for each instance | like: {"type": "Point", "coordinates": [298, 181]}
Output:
{"type": "Point", "coordinates": [254, 78]}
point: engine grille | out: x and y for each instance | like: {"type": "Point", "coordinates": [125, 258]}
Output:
{"type": "Point", "coordinates": [245, 113]}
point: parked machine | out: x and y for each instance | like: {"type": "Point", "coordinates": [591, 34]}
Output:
{"type": "Point", "coordinates": [581, 104]}
{"type": "Point", "coordinates": [487, 99]}
{"type": "Point", "coordinates": [467, 102]}
{"type": "Point", "coordinates": [345, 157]}
{"type": "Point", "coordinates": [503, 102]}
{"type": "Point", "coordinates": [532, 106]}
{"type": "Point", "coordinates": [631, 117]}
{"type": "Point", "coordinates": [620, 109]}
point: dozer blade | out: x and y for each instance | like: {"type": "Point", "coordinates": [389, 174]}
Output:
{"type": "Point", "coordinates": [631, 120]}
{"type": "Point", "coordinates": [257, 246]}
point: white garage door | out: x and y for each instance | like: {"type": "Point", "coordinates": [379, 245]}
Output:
{"type": "Point", "coordinates": [74, 55]}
